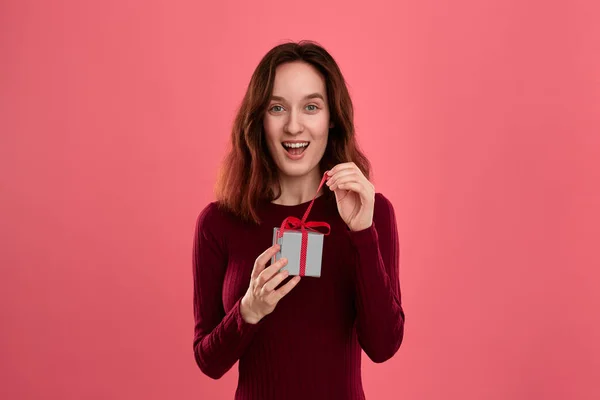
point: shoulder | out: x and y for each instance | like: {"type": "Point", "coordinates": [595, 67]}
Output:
{"type": "Point", "coordinates": [382, 203]}
{"type": "Point", "coordinates": [209, 215]}
{"type": "Point", "coordinates": [383, 212]}
{"type": "Point", "coordinates": [212, 226]}
{"type": "Point", "coordinates": [213, 219]}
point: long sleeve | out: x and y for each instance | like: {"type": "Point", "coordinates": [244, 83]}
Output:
{"type": "Point", "coordinates": [219, 338]}
{"type": "Point", "coordinates": [379, 313]}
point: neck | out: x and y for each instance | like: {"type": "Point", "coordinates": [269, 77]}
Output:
{"type": "Point", "coordinates": [299, 189]}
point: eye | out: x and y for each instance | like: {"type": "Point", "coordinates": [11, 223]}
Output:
{"type": "Point", "coordinates": [314, 107]}
{"type": "Point", "coordinates": [276, 109]}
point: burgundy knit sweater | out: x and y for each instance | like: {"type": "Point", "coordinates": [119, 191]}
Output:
{"type": "Point", "coordinates": [309, 347]}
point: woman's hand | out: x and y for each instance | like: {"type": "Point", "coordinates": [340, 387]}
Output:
{"type": "Point", "coordinates": [261, 297]}
{"type": "Point", "coordinates": [354, 194]}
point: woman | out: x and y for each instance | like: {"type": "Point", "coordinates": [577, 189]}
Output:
{"type": "Point", "coordinates": [295, 337]}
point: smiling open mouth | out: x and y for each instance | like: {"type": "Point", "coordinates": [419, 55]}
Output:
{"type": "Point", "coordinates": [295, 148]}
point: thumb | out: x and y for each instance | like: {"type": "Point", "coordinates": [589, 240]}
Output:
{"type": "Point", "coordinates": [263, 259]}
{"type": "Point", "coordinates": [340, 194]}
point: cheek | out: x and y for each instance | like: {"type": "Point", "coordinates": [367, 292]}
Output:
{"type": "Point", "coordinates": [320, 129]}
{"type": "Point", "coordinates": [271, 135]}
{"type": "Point", "coordinates": [268, 127]}
{"type": "Point", "coordinates": [272, 127]}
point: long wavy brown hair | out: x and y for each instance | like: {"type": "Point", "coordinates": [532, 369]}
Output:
{"type": "Point", "coordinates": [248, 173]}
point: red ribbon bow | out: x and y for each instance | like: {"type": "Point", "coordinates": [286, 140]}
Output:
{"type": "Point", "coordinates": [294, 224]}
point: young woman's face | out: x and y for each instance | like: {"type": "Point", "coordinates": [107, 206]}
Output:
{"type": "Point", "coordinates": [297, 122]}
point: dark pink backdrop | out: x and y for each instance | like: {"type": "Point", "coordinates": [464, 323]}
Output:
{"type": "Point", "coordinates": [482, 122]}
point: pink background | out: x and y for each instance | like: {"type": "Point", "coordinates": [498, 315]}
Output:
{"type": "Point", "coordinates": [482, 122]}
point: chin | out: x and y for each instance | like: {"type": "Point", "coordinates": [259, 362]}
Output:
{"type": "Point", "coordinates": [297, 170]}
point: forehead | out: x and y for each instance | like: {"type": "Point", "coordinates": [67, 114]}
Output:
{"type": "Point", "coordinates": [297, 79]}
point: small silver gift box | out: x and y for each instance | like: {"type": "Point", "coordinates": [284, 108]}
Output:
{"type": "Point", "coordinates": [290, 244]}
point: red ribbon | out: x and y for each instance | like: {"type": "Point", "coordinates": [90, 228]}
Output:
{"type": "Point", "coordinates": [294, 224]}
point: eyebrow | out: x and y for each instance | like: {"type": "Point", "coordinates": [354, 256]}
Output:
{"type": "Point", "coordinates": [307, 97]}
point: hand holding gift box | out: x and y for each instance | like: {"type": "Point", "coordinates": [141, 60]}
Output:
{"type": "Point", "coordinates": [300, 243]}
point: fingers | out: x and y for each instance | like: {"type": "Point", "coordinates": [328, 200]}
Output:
{"type": "Point", "coordinates": [278, 294]}
{"type": "Point", "coordinates": [343, 175]}
{"type": "Point", "coordinates": [261, 261]}
{"type": "Point", "coordinates": [275, 281]}
{"type": "Point", "coordinates": [353, 186]}
{"type": "Point", "coordinates": [267, 273]}
{"type": "Point", "coordinates": [344, 171]}
{"type": "Point", "coordinates": [340, 167]}
{"type": "Point", "coordinates": [347, 180]}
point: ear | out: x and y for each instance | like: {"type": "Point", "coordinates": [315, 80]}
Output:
{"type": "Point", "coordinates": [331, 125]}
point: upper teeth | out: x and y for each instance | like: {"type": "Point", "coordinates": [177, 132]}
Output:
{"type": "Point", "coordinates": [296, 145]}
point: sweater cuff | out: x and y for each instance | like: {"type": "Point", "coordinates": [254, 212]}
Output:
{"type": "Point", "coordinates": [363, 237]}
{"type": "Point", "coordinates": [244, 327]}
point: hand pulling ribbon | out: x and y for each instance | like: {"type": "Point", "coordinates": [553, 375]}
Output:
{"type": "Point", "coordinates": [293, 223]}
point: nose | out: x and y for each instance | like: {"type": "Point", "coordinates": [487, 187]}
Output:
{"type": "Point", "coordinates": [294, 124]}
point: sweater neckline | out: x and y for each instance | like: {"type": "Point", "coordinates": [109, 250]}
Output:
{"type": "Point", "coordinates": [297, 210]}
{"type": "Point", "coordinates": [305, 204]}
